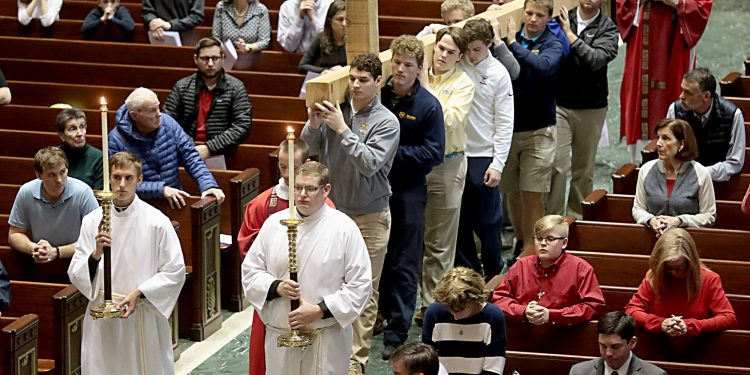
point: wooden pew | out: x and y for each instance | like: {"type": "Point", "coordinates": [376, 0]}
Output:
{"type": "Point", "coordinates": [617, 297]}
{"type": "Point", "coordinates": [600, 206]}
{"type": "Point", "coordinates": [137, 54]}
{"type": "Point", "coordinates": [7, 196]}
{"type": "Point", "coordinates": [625, 178]}
{"type": "Point", "coordinates": [712, 349]}
{"type": "Point", "coordinates": [240, 189]}
{"type": "Point", "coordinates": [200, 299]}
{"type": "Point", "coordinates": [532, 363]}
{"type": "Point", "coordinates": [88, 96]}
{"type": "Point", "coordinates": [19, 337]}
{"type": "Point", "coordinates": [743, 103]}
{"type": "Point", "coordinates": [71, 29]}
{"type": "Point", "coordinates": [629, 269]}
{"type": "Point", "coordinates": [38, 118]}
{"type": "Point", "coordinates": [4, 229]}
{"type": "Point", "coordinates": [159, 77]}
{"type": "Point", "coordinates": [735, 84]}
{"type": "Point", "coordinates": [637, 239]}
{"type": "Point", "coordinates": [61, 310]}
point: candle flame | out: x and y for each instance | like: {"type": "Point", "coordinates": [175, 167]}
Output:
{"type": "Point", "coordinates": [290, 129]}
{"type": "Point", "coordinates": [103, 101]}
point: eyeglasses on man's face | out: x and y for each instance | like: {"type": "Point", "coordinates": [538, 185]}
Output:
{"type": "Point", "coordinates": [213, 59]}
{"type": "Point", "coordinates": [548, 239]}
{"type": "Point", "coordinates": [310, 190]}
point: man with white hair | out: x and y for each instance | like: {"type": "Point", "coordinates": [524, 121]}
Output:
{"type": "Point", "coordinates": [162, 146]}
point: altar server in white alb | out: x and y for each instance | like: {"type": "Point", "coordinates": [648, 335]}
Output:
{"type": "Point", "coordinates": [335, 280]}
{"type": "Point", "coordinates": [147, 269]}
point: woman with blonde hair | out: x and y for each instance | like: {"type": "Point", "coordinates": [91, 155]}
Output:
{"type": "Point", "coordinates": [244, 22]}
{"type": "Point", "coordinates": [679, 295]}
{"type": "Point", "coordinates": [461, 313]}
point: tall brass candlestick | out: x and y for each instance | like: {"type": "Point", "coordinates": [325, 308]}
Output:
{"type": "Point", "coordinates": [108, 308]}
{"type": "Point", "coordinates": [296, 339]}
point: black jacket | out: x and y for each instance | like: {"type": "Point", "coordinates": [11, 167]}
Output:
{"type": "Point", "coordinates": [4, 289]}
{"type": "Point", "coordinates": [229, 119]}
{"type": "Point", "coordinates": [582, 83]}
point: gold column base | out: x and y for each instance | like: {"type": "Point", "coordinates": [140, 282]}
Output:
{"type": "Point", "coordinates": [296, 339]}
{"type": "Point", "coordinates": [108, 309]}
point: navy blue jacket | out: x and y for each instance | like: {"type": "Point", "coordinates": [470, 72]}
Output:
{"type": "Point", "coordinates": [422, 142]}
{"type": "Point", "coordinates": [162, 152]}
{"type": "Point", "coordinates": [534, 89]}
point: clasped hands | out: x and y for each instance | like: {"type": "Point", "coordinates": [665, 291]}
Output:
{"type": "Point", "coordinates": [661, 224]}
{"type": "Point", "coordinates": [158, 26]}
{"type": "Point", "coordinates": [674, 326]}
{"type": "Point", "coordinates": [43, 252]}
{"type": "Point", "coordinates": [306, 313]}
{"type": "Point", "coordinates": [330, 114]}
{"type": "Point", "coordinates": [536, 314]}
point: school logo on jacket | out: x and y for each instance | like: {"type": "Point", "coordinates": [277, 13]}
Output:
{"type": "Point", "coordinates": [407, 116]}
{"type": "Point", "coordinates": [363, 129]}
{"type": "Point", "coordinates": [535, 51]}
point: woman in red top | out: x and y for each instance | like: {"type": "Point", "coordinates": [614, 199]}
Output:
{"type": "Point", "coordinates": [679, 295]}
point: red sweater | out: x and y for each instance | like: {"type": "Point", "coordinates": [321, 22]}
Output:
{"type": "Point", "coordinates": [709, 311]}
{"type": "Point", "coordinates": [568, 288]}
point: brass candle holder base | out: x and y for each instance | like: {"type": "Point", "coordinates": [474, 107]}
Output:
{"type": "Point", "coordinates": [296, 339]}
{"type": "Point", "coordinates": [108, 309]}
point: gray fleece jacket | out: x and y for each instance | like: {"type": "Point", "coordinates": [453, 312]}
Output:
{"type": "Point", "coordinates": [360, 158]}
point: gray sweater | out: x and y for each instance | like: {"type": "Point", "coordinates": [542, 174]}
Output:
{"type": "Point", "coordinates": [360, 158]}
{"type": "Point", "coordinates": [692, 198]}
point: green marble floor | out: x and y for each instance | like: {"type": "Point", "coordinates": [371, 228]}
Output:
{"type": "Point", "coordinates": [722, 49]}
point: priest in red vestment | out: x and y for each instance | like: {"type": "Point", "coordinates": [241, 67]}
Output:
{"type": "Point", "coordinates": [660, 37]}
{"type": "Point", "coordinates": [267, 203]}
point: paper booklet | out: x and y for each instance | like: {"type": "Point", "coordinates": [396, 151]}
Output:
{"type": "Point", "coordinates": [230, 57]}
{"type": "Point", "coordinates": [171, 38]}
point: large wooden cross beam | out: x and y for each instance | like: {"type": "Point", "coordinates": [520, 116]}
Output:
{"type": "Point", "coordinates": [333, 85]}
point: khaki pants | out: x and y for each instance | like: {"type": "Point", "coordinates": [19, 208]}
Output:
{"type": "Point", "coordinates": [578, 133]}
{"type": "Point", "coordinates": [445, 187]}
{"type": "Point", "coordinates": [375, 229]}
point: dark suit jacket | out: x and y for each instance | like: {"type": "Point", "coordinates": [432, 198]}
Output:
{"type": "Point", "coordinates": [596, 367]}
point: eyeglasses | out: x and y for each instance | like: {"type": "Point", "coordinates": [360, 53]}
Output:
{"type": "Point", "coordinates": [213, 59]}
{"type": "Point", "coordinates": [549, 239]}
{"type": "Point", "coordinates": [310, 190]}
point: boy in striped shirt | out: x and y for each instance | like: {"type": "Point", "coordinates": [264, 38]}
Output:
{"type": "Point", "coordinates": [467, 332]}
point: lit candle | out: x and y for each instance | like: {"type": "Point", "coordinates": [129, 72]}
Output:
{"type": "Point", "coordinates": [105, 144]}
{"type": "Point", "coordinates": [290, 141]}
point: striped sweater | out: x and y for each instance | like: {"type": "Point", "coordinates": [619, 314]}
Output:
{"type": "Point", "coordinates": [474, 345]}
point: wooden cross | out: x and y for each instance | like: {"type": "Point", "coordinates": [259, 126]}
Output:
{"type": "Point", "coordinates": [333, 85]}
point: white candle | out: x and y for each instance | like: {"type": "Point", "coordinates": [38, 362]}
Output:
{"type": "Point", "coordinates": [290, 141]}
{"type": "Point", "coordinates": [105, 144]}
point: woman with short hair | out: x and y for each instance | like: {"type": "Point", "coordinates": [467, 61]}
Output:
{"type": "Point", "coordinates": [674, 190]}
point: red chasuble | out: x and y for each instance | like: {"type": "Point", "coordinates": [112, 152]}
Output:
{"type": "Point", "coordinates": [658, 55]}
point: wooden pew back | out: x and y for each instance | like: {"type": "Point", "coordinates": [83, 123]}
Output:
{"type": "Point", "coordinates": [600, 206]}
{"type": "Point", "coordinates": [19, 338]}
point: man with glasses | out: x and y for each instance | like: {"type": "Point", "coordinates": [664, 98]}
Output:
{"type": "Point", "coordinates": [551, 286]}
{"type": "Point", "coordinates": [357, 140]}
{"type": "Point", "coordinates": [334, 280]}
{"type": "Point", "coordinates": [211, 105]}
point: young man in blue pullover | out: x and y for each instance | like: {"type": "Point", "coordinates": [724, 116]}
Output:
{"type": "Point", "coordinates": [532, 149]}
{"type": "Point", "coordinates": [421, 147]}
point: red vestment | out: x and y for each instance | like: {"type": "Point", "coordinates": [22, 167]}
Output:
{"type": "Point", "coordinates": [256, 213]}
{"type": "Point", "coordinates": [658, 55]}
{"type": "Point", "coordinates": [568, 288]}
{"type": "Point", "coordinates": [708, 311]}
